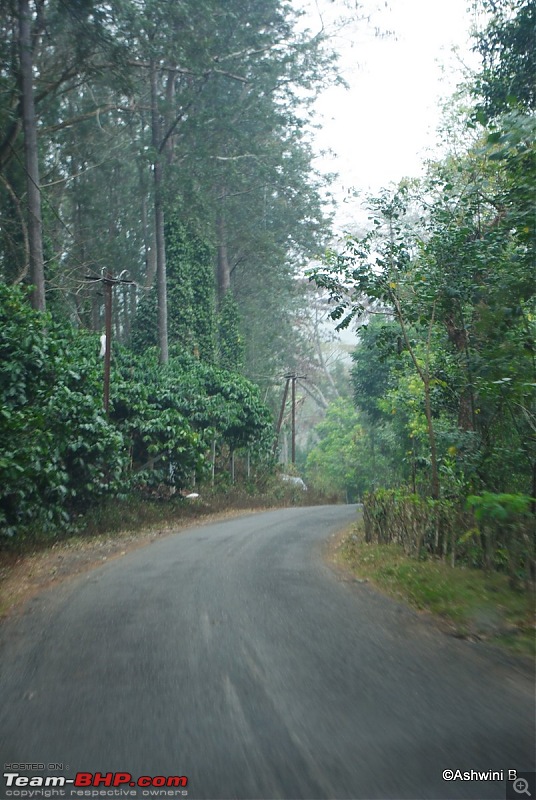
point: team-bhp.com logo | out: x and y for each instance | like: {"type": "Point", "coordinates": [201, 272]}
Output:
{"type": "Point", "coordinates": [125, 779]}
{"type": "Point", "coordinates": [84, 780]}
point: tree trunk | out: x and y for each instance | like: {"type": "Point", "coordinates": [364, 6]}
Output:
{"type": "Point", "coordinates": [149, 245]}
{"type": "Point", "coordinates": [224, 269]}
{"type": "Point", "coordinates": [170, 103]}
{"type": "Point", "coordinates": [320, 354]}
{"type": "Point", "coordinates": [161, 280]}
{"type": "Point", "coordinates": [35, 226]}
{"type": "Point", "coordinates": [460, 339]}
{"type": "Point", "coordinates": [424, 375]}
{"type": "Point", "coordinates": [431, 436]}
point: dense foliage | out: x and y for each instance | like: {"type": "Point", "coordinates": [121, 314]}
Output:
{"type": "Point", "coordinates": [59, 452]}
{"type": "Point", "coordinates": [190, 295]}
{"type": "Point", "coordinates": [443, 289]}
{"type": "Point", "coordinates": [162, 149]}
{"type": "Point", "coordinates": [173, 142]}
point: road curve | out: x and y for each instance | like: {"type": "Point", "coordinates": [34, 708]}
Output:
{"type": "Point", "coordinates": [234, 655]}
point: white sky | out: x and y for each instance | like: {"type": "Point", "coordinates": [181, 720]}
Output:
{"type": "Point", "coordinates": [382, 127]}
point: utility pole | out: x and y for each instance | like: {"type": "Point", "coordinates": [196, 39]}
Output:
{"type": "Point", "coordinates": [281, 413]}
{"type": "Point", "coordinates": [108, 282]}
{"type": "Point", "coordinates": [289, 378]}
{"type": "Point", "coordinates": [293, 449]}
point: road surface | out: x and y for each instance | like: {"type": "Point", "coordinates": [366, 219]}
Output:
{"type": "Point", "coordinates": [234, 655]}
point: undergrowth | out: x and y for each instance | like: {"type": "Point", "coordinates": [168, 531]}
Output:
{"type": "Point", "coordinates": [135, 512]}
{"type": "Point", "coordinates": [474, 603]}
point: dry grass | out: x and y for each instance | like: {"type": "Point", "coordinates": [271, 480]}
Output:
{"type": "Point", "coordinates": [29, 565]}
{"type": "Point", "coordinates": [469, 602]}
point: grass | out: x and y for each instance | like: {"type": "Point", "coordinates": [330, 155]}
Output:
{"type": "Point", "coordinates": [136, 513]}
{"type": "Point", "coordinates": [473, 603]}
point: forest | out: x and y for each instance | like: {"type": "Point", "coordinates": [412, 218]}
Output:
{"type": "Point", "coordinates": [167, 253]}
{"type": "Point", "coordinates": [439, 432]}
{"type": "Point", "coordinates": [156, 188]}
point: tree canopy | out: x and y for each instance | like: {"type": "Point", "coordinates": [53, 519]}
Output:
{"type": "Point", "coordinates": [442, 287]}
{"type": "Point", "coordinates": [151, 117]}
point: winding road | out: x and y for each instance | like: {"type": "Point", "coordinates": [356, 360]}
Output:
{"type": "Point", "coordinates": [233, 654]}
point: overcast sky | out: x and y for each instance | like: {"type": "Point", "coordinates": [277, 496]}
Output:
{"type": "Point", "coordinates": [383, 126]}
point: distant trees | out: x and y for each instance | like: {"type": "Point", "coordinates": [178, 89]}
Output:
{"type": "Point", "coordinates": [145, 111]}
{"type": "Point", "coordinates": [334, 463]}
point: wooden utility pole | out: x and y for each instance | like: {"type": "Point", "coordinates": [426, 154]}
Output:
{"type": "Point", "coordinates": [108, 282]}
{"type": "Point", "coordinates": [293, 448]}
{"type": "Point", "coordinates": [289, 379]}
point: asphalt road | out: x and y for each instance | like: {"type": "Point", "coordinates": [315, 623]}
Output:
{"type": "Point", "coordinates": [234, 655]}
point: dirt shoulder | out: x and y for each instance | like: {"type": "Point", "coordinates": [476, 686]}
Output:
{"type": "Point", "coordinates": [459, 602]}
{"type": "Point", "coordinates": [23, 575]}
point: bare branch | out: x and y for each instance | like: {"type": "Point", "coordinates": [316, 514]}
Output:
{"type": "Point", "coordinates": [24, 230]}
{"type": "Point", "coordinates": [235, 158]}
{"type": "Point", "coordinates": [83, 117]}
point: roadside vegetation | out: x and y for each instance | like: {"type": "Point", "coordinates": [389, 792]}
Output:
{"type": "Point", "coordinates": [157, 182]}
{"type": "Point", "coordinates": [466, 602]}
{"type": "Point", "coordinates": [439, 438]}
{"type": "Point", "coordinates": [158, 198]}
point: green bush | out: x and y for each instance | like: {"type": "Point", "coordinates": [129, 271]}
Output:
{"type": "Point", "coordinates": [58, 452]}
{"type": "Point", "coordinates": [174, 412]}
{"type": "Point", "coordinates": [493, 531]}
{"type": "Point", "coordinates": [505, 526]}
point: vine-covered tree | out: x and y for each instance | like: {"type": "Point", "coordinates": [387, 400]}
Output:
{"type": "Point", "coordinates": [190, 292]}
{"type": "Point", "coordinates": [141, 108]}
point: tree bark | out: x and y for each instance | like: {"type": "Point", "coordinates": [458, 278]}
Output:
{"type": "Point", "coordinates": [161, 279]}
{"type": "Point", "coordinates": [460, 339]}
{"type": "Point", "coordinates": [320, 354]}
{"type": "Point", "coordinates": [149, 243]}
{"type": "Point", "coordinates": [424, 375]}
{"type": "Point", "coordinates": [31, 162]}
{"type": "Point", "coordinates": [224, 269]}
{"type": "Point", "coordinates": [169, 145]}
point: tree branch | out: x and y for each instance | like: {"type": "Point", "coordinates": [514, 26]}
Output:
{"type": "Point", "coordinates": [83, 117]}
{"type": "Point", "coordinates": [24, 229]}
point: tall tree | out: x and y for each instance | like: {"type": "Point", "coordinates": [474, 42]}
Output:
{"type": "Point", "coordinates": [31, 158]}
{"type": "Point", "coordinates": [141, 103]}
